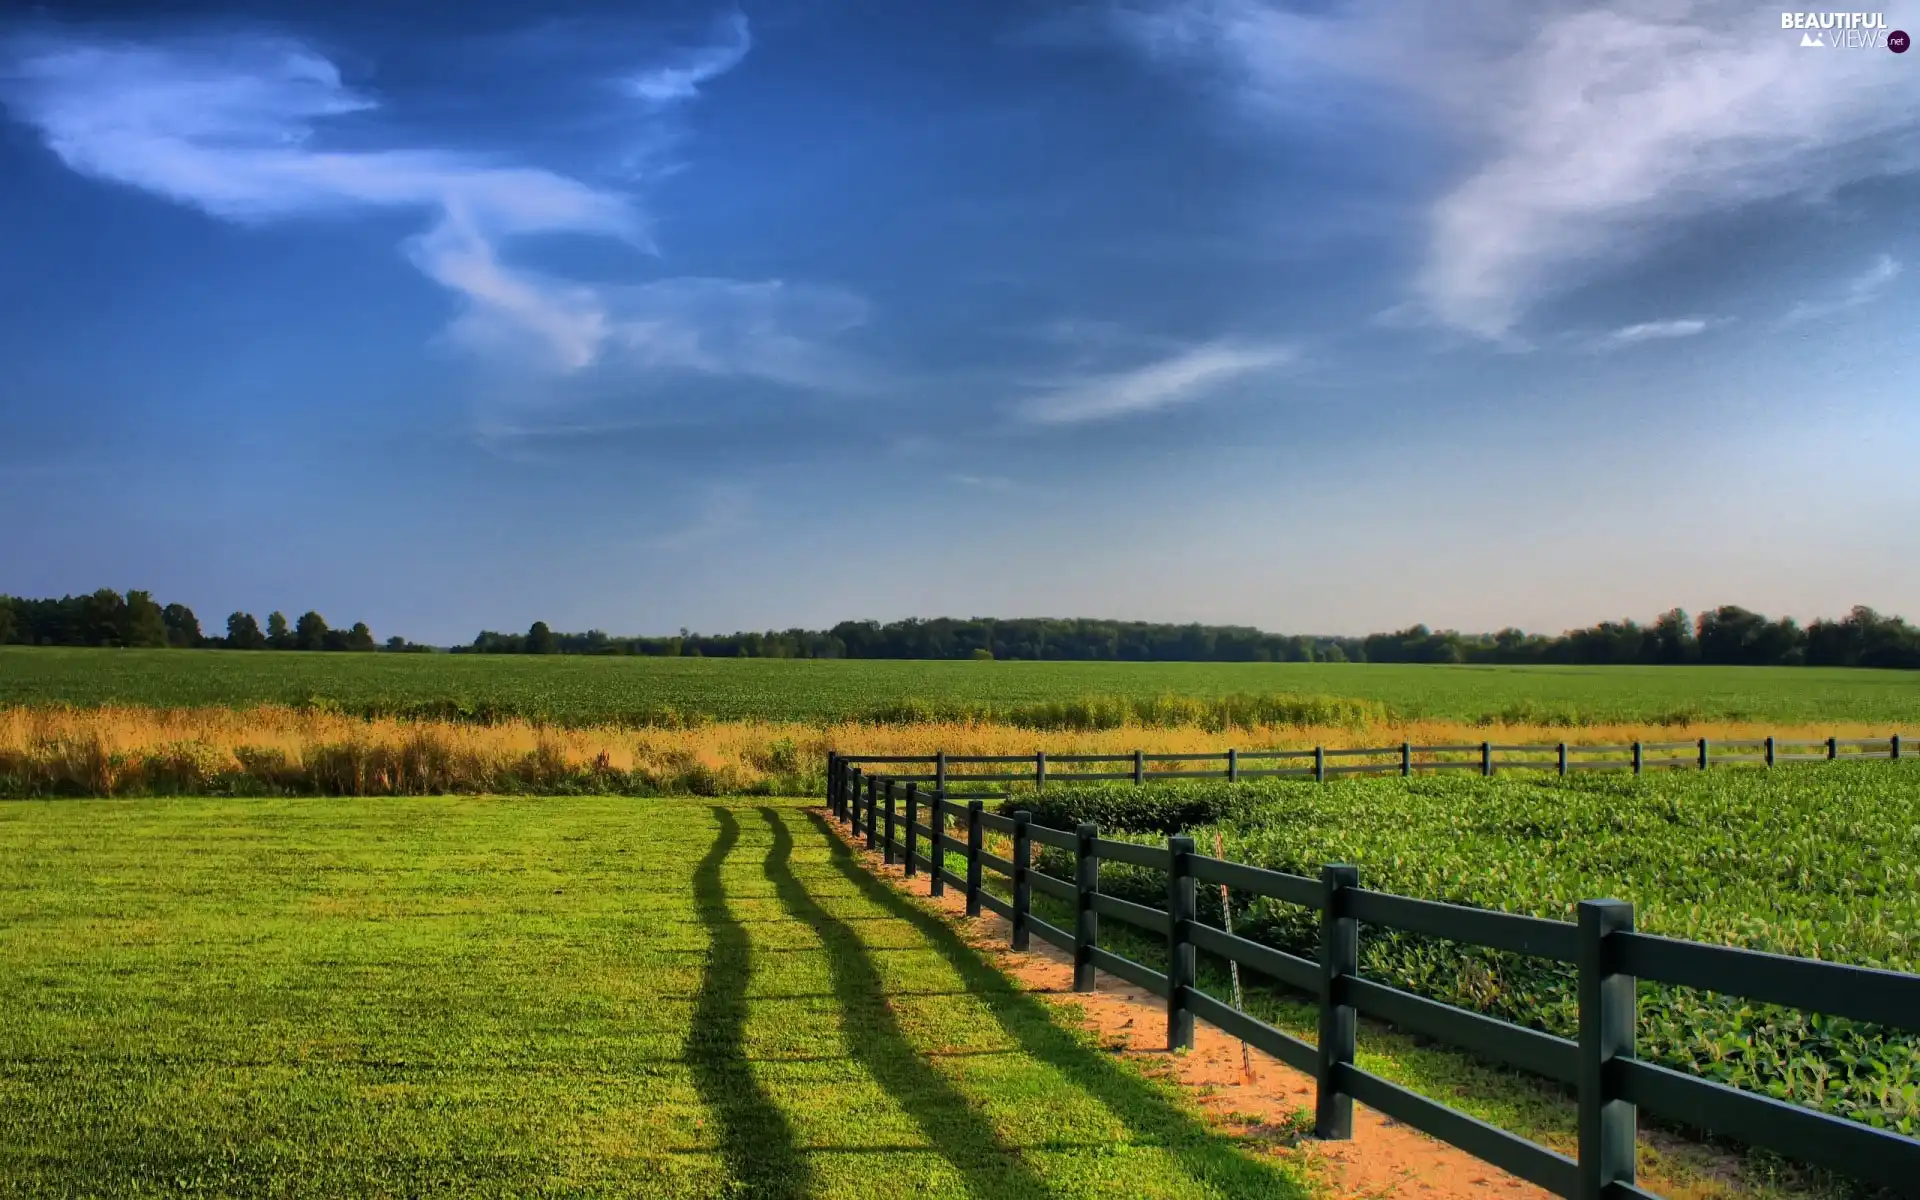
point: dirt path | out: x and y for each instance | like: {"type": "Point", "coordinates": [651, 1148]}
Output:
{"type": "Point", "coordinates": [1384, 1158]}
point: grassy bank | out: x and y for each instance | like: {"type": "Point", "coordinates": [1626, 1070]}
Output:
{"type": "Point", "coordinates": [1058, 696]}
{"type": "Point", "coordinates": [471, 997]}
{"type": "Point", "coordinates": [63, 751]}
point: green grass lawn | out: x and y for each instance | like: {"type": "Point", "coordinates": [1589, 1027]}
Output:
{"type": "Point", "coordinates": [488, 997]}
{"type": "Point", "coordinates": [584, 690]}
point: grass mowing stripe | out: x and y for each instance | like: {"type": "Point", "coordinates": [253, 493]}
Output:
{"type": "Point", "coordinates": [871, 1028]}
{"type": "Point", "coordinates": [477, 996]}
{"type": "Point", "coordinates": [1148, 1108]}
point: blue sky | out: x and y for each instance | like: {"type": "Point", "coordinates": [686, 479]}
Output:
{"type": "Point", "coordinates": [1322, 317]}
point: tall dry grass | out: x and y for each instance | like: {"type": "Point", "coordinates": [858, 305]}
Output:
{"type": "Point", "coordinates": [284, 751]}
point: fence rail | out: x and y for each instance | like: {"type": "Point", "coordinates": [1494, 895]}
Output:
{"type": "Point", "coordinates": [1611, 1085]}
{"type": "Point", "coordinates": [1487, 758]}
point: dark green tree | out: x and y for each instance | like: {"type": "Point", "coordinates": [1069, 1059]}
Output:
{"type": "Point", "coordinates": [8, 625]}
{"type": "Point", "coordinates": [1674, 635]}
{"type": "Point", "coordinates": [310, 631]}
{"type": "Point", "coordinates": [183, 628]}
{"type": "Point", "coordinates": [359, 637]}
{"type": "Point", "coordinates": [243, 632]}
{"type": "Point", "coordinates": [142, 623]}
{"type": "Point", "coordinates": [540, 639]}
{"type": "Point", "coordinates": [102, 618]}
{"type": "Point", "coordinates": [279, 637]}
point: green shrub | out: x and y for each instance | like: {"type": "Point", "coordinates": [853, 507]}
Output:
{"type": "Point", "coordinates": [1129, 808]}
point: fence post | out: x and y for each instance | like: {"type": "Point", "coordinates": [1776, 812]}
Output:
{"type": "Point", "coordinates": [1563, 760]}
{"type": "Point", "coordinates": [1086, 884]}
{"type": "Point", "coordinates": [913, 834]}
{"type": "Point", "coordinates": [1703, 754]}
{"type": "Point", "coordinates": [1770, 749]}
{"type": "Point", "coordinates": [1339, 957]}
{"type": "Point", "coordinates": [833, 793]}
{"type": "Point", "coordinates": [893, 828]}
{"type": "Point", "coordinates": [1606, 1034]}
{"type": "Point", "coordinates": [973, 858]}
{"type": "Point", "coordinates": [1022, 887]}
{"type": "Point", "coordinates": [1406, 758]}
{"type": "Point", "coordinates": [1896, 745]}
{"type": "Point", "coordinates": [1180, 955]}
{"type": "Point", "coordinates": [1039, 770]}
{"type": "Point", "coordinates": [1833, 749]}
{"type": "Point", "coordinates": [1319, 764]}
{"type": "Point", "coordinates": [873, 810]}
{"type": "Point", "coordinates": [1636, 758]}
{"type": "Point", "coordinates": [1486, 758]}
{"type": "Point", "coordinates": [938, 851]}
{"type": "Point", "coordinates": [1233, 766]}
{"type": "Point", "coordinates": [1139, 766]}
{"type": "Point", "coordinates": [940, 771]}
{"type": "Point", "coordinates": [853, 799]}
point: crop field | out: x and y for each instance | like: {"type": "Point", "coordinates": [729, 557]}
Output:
{"type": "Point", "coordinates": [485, 997]}
{"type": "Point", "coordinates": [1045, 695]}
{"type": "Point", "coordinates": [1818, 860]}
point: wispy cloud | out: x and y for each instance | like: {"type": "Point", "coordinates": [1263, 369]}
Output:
{"type": "Point", "coordinates": [1863, 288]}
{"type": "Point", "coordinates": [1180, 378]}
{"type": "Point", "coordinates": [723, 511]}
{"type": "Point", "coordinates": [1655, 331]}
{"type": "Point", "coordinates": [680, 80]}
{"type": "Point", "coordinates": [235, 126]}
{"type": "Point", "coordinates": [985, 483]}
{"type": "Point", "coordinates": [1588, 133]}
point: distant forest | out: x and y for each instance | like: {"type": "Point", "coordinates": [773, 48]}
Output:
{"type": "Point", "coordinates": [1730, 636]}
{"type": "Point", "coordinates": [108, 618]}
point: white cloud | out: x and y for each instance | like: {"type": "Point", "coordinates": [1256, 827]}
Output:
{"type": "Point", "coordinates": [1863, 288]}
{"type": "Point", "coordinates": [1586, 132]}
{"type": "Point", "coordinates": [1180, 378]}
{"type": "Point", "coordinates": [679, 81]}
{"type": "Point", "coordinates": [231, 126]}
{"type": "Point", "coordinates": [1656, 331]}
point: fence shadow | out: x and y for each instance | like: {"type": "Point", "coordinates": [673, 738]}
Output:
{"type": "Point", "coordinates": [956, 1130]}
{"type": "Point", "coordinates": [756, 1139]}
{"type": "Point", "coordinates": [1150, 1114]}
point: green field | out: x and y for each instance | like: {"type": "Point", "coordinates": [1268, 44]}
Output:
{"type": "Point", "coordinates": [483, 997]}
{"type": "Point", "coordinates": [1815, 860]}
{"type": "Point", "coordinates": [582, 690]}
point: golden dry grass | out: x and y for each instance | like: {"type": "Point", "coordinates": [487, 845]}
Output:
{"type": "Point", "coordinates": [273, 750]}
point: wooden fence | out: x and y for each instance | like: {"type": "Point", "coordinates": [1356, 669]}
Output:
{"type": "Point", "coordinates": [1609, 957]}
{"type": "Point", "coordinates": [1485, 758]}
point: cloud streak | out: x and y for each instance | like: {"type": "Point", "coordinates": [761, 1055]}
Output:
{"type": "Point", "coordinates": [1655, 331]}
{"type": "Point", "coordinates": [1586, 134]}
{"type": "Point", "coordinates": [1177, 379]}
{"type": "Point", "coordinates": [680, 81]}
{"type": "Point", "coordinates": [1863, 288]}
{"type": "Point", "coordinates": [236, 126]}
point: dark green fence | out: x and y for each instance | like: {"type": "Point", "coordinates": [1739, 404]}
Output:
{"type": "Point", "coordinates": [920, 828]}
{"type": "Point", "coordinates": [1484, 758]}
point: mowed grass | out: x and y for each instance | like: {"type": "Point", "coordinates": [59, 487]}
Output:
{"type": "Point", "coordinates": [588, 690]}
{"type": "Point", "coordinates": [487, 997]}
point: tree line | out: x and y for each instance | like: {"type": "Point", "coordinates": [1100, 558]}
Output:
{"type": "Point", "coordinates": [109, 618]}
{"type": "Point", "coordinates": [1729, 635]}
